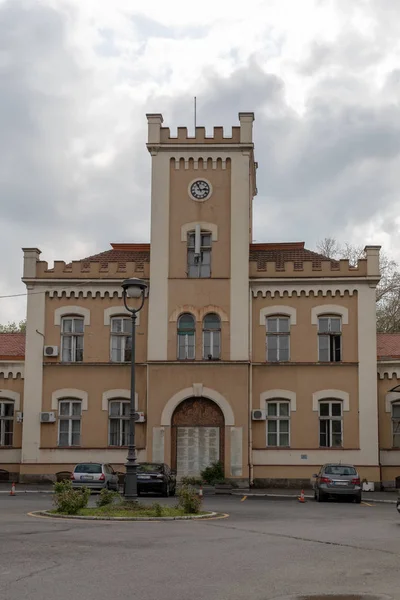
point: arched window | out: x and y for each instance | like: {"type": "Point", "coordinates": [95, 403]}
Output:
{"type": "Point", "coordinates": [330, 423]}
{"type": "Point", "coordinates": [121, 339]}
{"type": "Point", "coordinates": [118, 414]}
{"type": "Point", "coordinates": [278, 422]}
{"type": "Point", "coordinates": [186, 337]}
{"type": "Point", "coordinates": [278, 338]}
{"type": "Point", "coordinates": [396, 424]}
{"type": "Point", "coordinates": [6, 422]}
{"type": "Point", "coordinates": [329, 338]}
{"type": "Point", "coordinates": [211, 337]}
{"type": "Point", "coordinates": [69, 422]}
{"type": "Point", "coordinates": [199, 253]}
{"type": "Point", "coordinates": [72, 339]}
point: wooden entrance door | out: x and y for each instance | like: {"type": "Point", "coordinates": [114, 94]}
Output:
{"type": "Point", "coordinates": [198, 435]}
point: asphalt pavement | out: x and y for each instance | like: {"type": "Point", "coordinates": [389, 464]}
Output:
{"type": "Point", "coordinates": [265, 549]}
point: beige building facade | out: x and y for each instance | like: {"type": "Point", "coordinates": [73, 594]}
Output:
{"type": "Point", "coordinates": [263, 356]}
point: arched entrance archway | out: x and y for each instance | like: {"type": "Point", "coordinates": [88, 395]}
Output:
{"type": "Point", "coordinates": [197, 436]}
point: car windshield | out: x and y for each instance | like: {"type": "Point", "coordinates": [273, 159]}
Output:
{"type": "Point", "coordinates": [340, 470]}
{"type": "Point", "coordinates": [88, 468]}
{"type": "Point", "coordinates": [150, 468]}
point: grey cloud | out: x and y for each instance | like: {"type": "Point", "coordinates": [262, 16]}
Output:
{"type": "Point", "coordinates": [322, 173]}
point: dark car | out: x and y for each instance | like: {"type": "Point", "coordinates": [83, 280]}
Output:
{"type": "Point", "coordinates": [156, 478]}
{"type": "Point", "coordinates": [337, 480]}
{"type": "Point", "coordinates": [398, 505]}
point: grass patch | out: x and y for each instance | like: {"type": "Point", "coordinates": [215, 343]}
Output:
{"type": "Point", "coordinates": [131, 509]}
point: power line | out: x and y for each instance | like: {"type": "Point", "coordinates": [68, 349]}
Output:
{"type": "Point", "coordinates": [45, 291]}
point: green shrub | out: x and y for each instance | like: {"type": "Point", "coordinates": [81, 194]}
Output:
{"type": "Point", "coordinates": [189, 500]}
{"type": "Point", "coordinates": [107, 497]}
{"type": "Point", "coordinates": [158, 509]}
{"type": "Point", "coordinates": [214, 473]}
{"type": "Point", "coordinates": [191, 480]}
{"type": "Point", "coordinates": [67, 500]}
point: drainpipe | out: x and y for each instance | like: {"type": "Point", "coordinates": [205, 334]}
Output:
{"type": "Point", "coordinates": [250, 391]}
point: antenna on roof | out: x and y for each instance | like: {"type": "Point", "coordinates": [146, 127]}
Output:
{"type": "Point", "coordinates": [195, 115]}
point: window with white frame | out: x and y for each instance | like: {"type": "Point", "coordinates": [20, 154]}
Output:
{"type": "Point", "coordinates": [69, 422]}
{"type": "Point", "coordinates": [72, 339]}
{"type": "Point", "coordinates": [396, 424]}
{"type": "Point", "coordinates": [199, 254]}
{"type": "Point", "coordinates": [6, 422]}
{"type": "Point", "coordinates": [121, 339]}
{"type": "Point", "coordinates": [186, 337]}
{"type": "Point", "coordinates": [278, 338]}
{"type": "Point", "coordinates": [329, 339]}
{"type": "Point", "coordinates": [330, 424]}
{"type": "Point", "coordinates": [118, 415]}
{"type": "Point", "coordinates": [211, 336]}
{"type": "Point", "coordinates": [278, 423]}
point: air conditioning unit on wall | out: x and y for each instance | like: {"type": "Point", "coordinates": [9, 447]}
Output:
{"type": "Point", "coordinates": [47, 417]}
{"type": "Point", "coordinates": [50, 351]}
{"type": "Point", "coordinates": [20, 417]}
{"type": "Point", "coordinates": [140, 417]}
{"type": "Point", "coordinates": [258, 415]}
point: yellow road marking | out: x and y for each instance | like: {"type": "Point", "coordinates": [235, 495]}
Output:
{"type": "Point", "coordinates": [243, 499]}
{"type": "Point", "coordinates": [366, 504]}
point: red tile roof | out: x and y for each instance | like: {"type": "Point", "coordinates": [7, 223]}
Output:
{"type": "Point", "coordinates": [121, 254]}
{"type": "Point", "coordinates": [12, 345]}
{"type": "Point", "coordinates": [285, 252]}
{"type": "Point", "coordinates": [262, 253]}
{"type": "Point", "coordinates": [388, 345]}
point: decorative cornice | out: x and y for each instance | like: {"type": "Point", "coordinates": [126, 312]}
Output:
{"type": "Point", "coordinates": [12, 369]}
{"type": "Point", "coordinates": [80, 292]}
{"type": "Point", "coordinates": [390, 369]}
{"type": "Point", "coordinates": [289, 290]}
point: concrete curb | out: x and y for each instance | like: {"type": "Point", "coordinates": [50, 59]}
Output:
{"type": "Point", "coordinates": [22, 492]}
{"type": "Point", "coordinates": [307, 497]}
{"type": "Point", "coordinates": [49, 515]}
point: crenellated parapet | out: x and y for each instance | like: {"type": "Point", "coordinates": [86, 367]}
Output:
{"type": "Point", "coordinates": [292, 260]}
{"type": "Point", "coordinates": [307, 268]}
{"type": "Point", "coordinates": [123, 261]}
{"type": "Point", "coordinates": [81, 270]}
{"type": "Point", "coordinates": [200, 137]}
{"type": "Point", "coordinates": [161, 136]}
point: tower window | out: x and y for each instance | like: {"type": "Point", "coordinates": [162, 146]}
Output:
{"type": "Point", "coordinates": [199, 253]}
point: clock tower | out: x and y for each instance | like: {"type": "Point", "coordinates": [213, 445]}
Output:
{"type": "Point", "coordinates": [201, 205]}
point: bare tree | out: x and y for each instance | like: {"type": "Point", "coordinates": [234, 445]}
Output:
{"type": "Point", "coordinates": [13, 327]}
{"type": "Point", "coordinates": [388, 289]}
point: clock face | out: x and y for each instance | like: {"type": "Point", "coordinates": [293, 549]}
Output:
{"type": "Point", "coordinates": [200, 189]}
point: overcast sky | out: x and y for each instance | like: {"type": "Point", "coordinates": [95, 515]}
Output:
{"type": "Point", "coordinates": [78, 76]}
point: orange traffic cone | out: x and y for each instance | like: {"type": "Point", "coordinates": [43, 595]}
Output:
{"type": "Point", "coordinates": [12, 493]}
{"type": "Point", "coordinates": [301, 497]}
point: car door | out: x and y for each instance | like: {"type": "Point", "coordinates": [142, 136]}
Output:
{"type": "Point", "coordinates": [113, 476]}
{"type": "Point", "coordinates": [167, 474]}
{"type": "Point", "coordinates": [318, 480]}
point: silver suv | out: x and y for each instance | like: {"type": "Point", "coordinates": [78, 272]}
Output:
{"type": "Point", "coordinates": [95, 476]}
{"type": "Point", "coordinates": [337, 480]}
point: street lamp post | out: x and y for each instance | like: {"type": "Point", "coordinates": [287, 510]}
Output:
{"type": "Point", "coordinates": [132, 288]}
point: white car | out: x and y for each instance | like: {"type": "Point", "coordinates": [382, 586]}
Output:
{"type": "Point", "coordinates": [96, 476]}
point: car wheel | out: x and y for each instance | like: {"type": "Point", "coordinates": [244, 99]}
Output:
{"type": "Point", "coordinates": [172, 492]}
{"type": "Point", "coordinates": [320, 496]}
{"type": "Point", "coordinates": [358, 499]}
{"type": "Point", "coordinates": [166, 490]}
{"type": "Point", "coordinates": [107, 485]}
